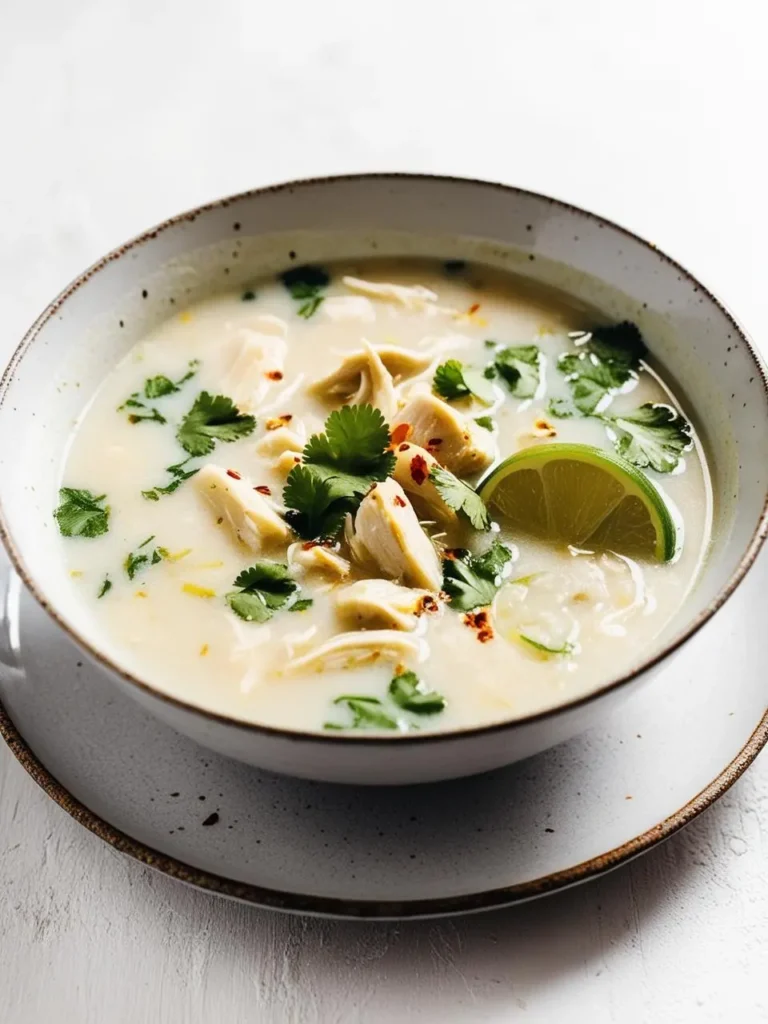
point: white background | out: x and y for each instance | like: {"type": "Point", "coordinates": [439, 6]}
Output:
{"type": "Point", "coordinates": [117, 113]}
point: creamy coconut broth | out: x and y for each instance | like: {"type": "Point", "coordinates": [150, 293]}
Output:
{"type": "Point", "coordinates": [158, 572]}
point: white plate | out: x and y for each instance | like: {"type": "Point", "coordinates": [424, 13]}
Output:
{"type": "Point", "coordinates": [541, 825]}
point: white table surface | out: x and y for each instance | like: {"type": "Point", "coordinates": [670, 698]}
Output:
{"type": "Point", "coordinates": [116, 113]}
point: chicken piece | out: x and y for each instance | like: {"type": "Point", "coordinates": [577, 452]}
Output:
{"type": "Point", "coordinates": [387, 527]}
{"type": "Point", "coordinates": [415, 298]}
{"type": "Point", "coordinates": [249, 516]}
{"type": "Point", "coordinates": [257, 363]}
{"type": "Point", "coordinates": [381, 604]}
{"type": "Point", "coordinates": [285, 462]}
{"type": "Point", "coordinates": [318, 558]}
{"type": "Point", "coordinates": [412, 471]}
{"type": "Point", "coordinates": [380, 393]}
{"type": "Point", "coordinates": [457, 441]}
{"type": "Point", "coordinates": [349, 649]}
{"type": "Point", "coordinates": [283, 439]}
{"type": "Point", "coordinates": [348, 307]}
{"type": "Point", "coordinates": [347, 380]}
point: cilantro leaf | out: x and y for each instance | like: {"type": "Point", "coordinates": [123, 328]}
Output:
{"type": "Point", "coordinates": [619, 344]}
{"type": "Point", "coordinates": [654, 435]}
{"type": "Point", "coordinates": [301, 605]}
{"type": "Point", "coordinates": [486, 422]}
{"type": "Point", "coordinates": [367, 713]}
{"type": "Point", "coordinates": [460, 497]}
{"type": "Point", "coordinates": [178, 474]}
{"type": "Point", "coordinates": [212, 418]}
{"type": "Point", "coordinates": [316, 509]}
{"type": "Point", "coordinates": [520, 366]}
{"type": "Point", "coordinates": [81, 513]}
{"type": "Point", "coordinates": [411, 694]}
{"type": "Point", "coordinates": [452, 380]}
{"type": "Point", "coordinates": [338, 469]}
{"type": "Point", "coordinates": [265, 587]}
{"type": "Point", "coordinates": [106, 586]}
{"type": "Point", "coordinates": [593, 383]}
{"type": "Point", "coordinates": [310, 307]}
{"type": "Point", "coordinates": [157, 387]}
{"type": "Point", "coordinates": [471, 581]}
{"type": "Point", "coordinates": [153, 416]}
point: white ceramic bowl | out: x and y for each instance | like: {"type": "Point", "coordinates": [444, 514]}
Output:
{"type": "Point", "coordinates": [84, 332]}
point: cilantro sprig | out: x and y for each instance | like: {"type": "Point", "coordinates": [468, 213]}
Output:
{"type": "Point", "coordinates": [471, 581]}
{"type": "Point", "coordinates": [305, 284]}
{"type": "Point", "coordinates": [337, 470]}
{"type": "Point", "coordinates": [263, 589]}
{"type": "Point", "coordinates": [81, 513]}
{"type": "Point", "coordinates": [453, 380]}
{"type": "Point", "coordinates": [212, 418]}
{"type": "Point", "coordinates": [412, 694]}
{"type": "Point", "coordinates": [366, 713]}
{"type": "Point", "coordinates": [178, 476]}
{"type": "Point", "coordinates": [608, 358]}
{"type": "Point", "coordinates": [406, 693]}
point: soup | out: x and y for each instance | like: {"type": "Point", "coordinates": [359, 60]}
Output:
{"type": "Point", "coordinates": [270, 505]}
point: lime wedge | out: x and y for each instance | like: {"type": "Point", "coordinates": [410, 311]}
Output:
{"type": "Point", "coordinates": [580, 495]}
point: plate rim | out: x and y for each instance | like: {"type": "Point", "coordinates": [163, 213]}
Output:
{"type": "Point", "coordinates": [338, 907]}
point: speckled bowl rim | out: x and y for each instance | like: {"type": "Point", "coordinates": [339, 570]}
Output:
{"type": "Point", "coordinates": [744, 563]}
{"type": "Point", "coordinates": [326, 906]}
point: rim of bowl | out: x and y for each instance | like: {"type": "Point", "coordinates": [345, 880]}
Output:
{"type": "Point", "coordinates": [744, 563]}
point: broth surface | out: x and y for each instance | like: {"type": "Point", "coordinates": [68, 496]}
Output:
{"type": "Point", "coordinates": [171, 624]}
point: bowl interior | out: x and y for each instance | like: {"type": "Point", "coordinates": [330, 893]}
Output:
{"type": "Point", "coordinates": [91, 326]}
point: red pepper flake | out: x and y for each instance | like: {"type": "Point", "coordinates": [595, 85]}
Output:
{"type": "Point", "coordinates": [401, 433]}
{"type": "Point", "coordinates": [434, 442]}
{"type": "Point", "coordinates": [419, 469]}
{"type": "Point", "coordinates": [427, 604]}
{"type": "Point", "coordinates": [452, 554]}
{"type": "Point", "coordinates": [399, 501]}
{"type": "Point", "coordinates": [480, 622]}
{"type": "Point", "coordinates": [262, 489]}
{"type": "Point", "coordinates": [234, 474]}
{"type": "Point", "coordinates": [274, 374]}
{"type": "Point", "coordinates": [473, 308]}
{"type": "Point", "coordinates": [309, 544]}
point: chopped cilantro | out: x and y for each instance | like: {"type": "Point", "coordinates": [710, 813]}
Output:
{"type": "Point", "coordinates": [81, 513]}
{"type": "Point", "coordinates": [486, 422]}
{"type": "Point", "coordinates": [460, 497]}
{"type": "Point", "coordinates": [411, 694]}
{"type": "Point", "coordinates": [106, 586]}
{"type": "Point", "coordinates": [453, 380]}
{"type": "Point", "coordinates": [248, 296]}
{"type": "Point", "coordinates": [566, 648]}
{"type": "Point", "coordinates": [178, 475]}
{"type": "Point", "coordinates": [367, 713]}
{"type": "Point", "coordinates": [157, 387]}
{"type": "Point", "coordinates": [471, 581]}
{"type": "Point", "coordinates": [212, 418]}
{"type": "Point", "coordinates": [140, 558]}
{"type": "Point", "coordinates": [338, 468]}
{"type": "Point", "coordinates": [520, 366]}
{"type": "Point", "coordinates": [301, 605]}
{"type": "Point", "coordinates": [153, 416]}
{"type": "Point", "coordinates": [654, 435]}
{"type": "Point", "coordinates": [304, 284]}
{"type": "Point", "coordinates": [263, 589]}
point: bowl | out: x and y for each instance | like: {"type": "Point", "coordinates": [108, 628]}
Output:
{"type": "Point", "coordinates": [96, 319]}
